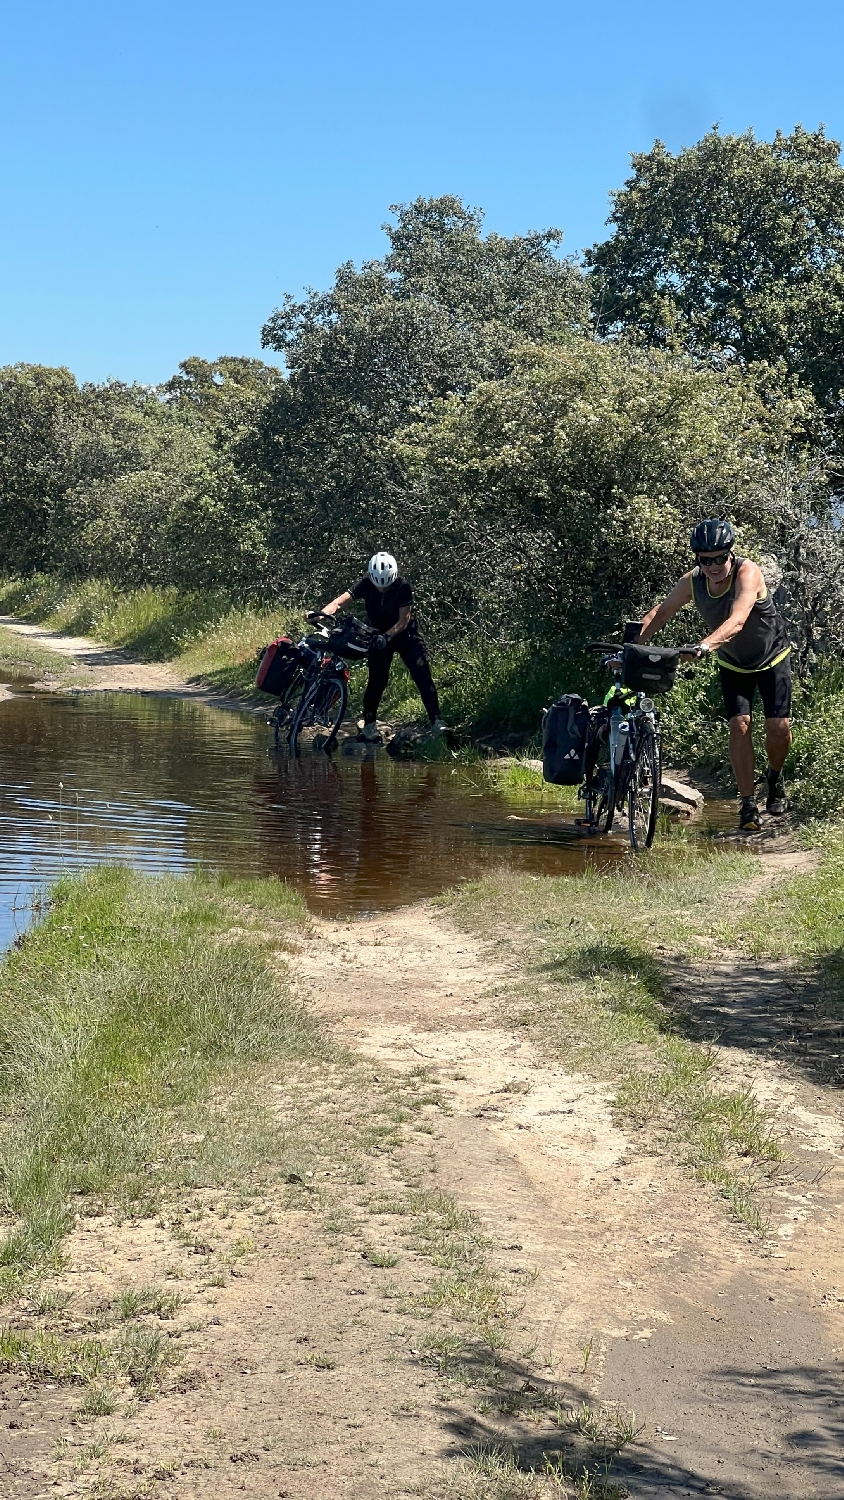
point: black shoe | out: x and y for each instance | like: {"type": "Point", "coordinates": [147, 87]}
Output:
{"type": "Point", "coordinates": [777, 802]}
{"type": "Point", "coordinates": [749, 819]}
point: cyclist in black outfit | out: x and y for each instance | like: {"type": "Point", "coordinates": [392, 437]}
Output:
{"type": "Point", "coordinates": [388, 601]}
{"type": "Point", "coordinates": [749, 639]}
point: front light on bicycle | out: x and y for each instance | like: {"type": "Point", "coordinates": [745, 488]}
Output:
{"type": "Point", "coordinates": [647, 705]}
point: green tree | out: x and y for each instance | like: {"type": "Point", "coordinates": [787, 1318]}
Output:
{"type": "Point", "coordinates": [445, 308]}
{"type": "Point", "coordinates": [39, 408]}
{"type": "Point", "coordinates": [561, 497]}
{"type": "Point", "coordinates": [218, 526]}
{"type": "Point", "coordinates": [733, 249]}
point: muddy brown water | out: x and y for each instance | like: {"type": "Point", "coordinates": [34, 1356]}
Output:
{"type": "Point", "coordinates": [165, 784]}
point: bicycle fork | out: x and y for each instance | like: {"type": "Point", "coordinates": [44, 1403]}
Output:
{"type": "Point", "coordinates": [619, 736]}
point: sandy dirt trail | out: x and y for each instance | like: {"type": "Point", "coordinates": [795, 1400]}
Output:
{"type": "Point", "coordinates": [637, 1288]}
{"type": "Point", "coordinates": [729, 1354]}
{"type": "Point", "coordinates": [100, 668]}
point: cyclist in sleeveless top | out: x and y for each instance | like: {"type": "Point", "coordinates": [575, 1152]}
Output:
{"type": "Point", "coordinates": [749, 638]}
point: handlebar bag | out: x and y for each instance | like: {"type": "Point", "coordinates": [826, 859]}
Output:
{"type": "Point", "coordinates": [351, 639]}
{"type": "Point", "coordinates": [278, 666]}
{"type": "Point", "coordinates": [649, 669]}
{"type": "Point", "coordinates": [564, 734]}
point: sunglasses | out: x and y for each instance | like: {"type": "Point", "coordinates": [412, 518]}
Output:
{"type": "Point", "coordinates": [717, 560]}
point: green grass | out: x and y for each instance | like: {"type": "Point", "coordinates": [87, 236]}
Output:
{"type": "Point", "coordinates": [139, 1355]}
{"type": "Point", "coordinates": [137, 1302]}
{"type": "Point", "coordinates": [452, 1239]}
{"type": "Point", "coordinates": [129, 1019]}
{"type": "Point", "coordinates": [595, 992]}
{"type": "Point", "coordinates": [803, 918]}
{"type": "Point", "coordinates": [205, 635]}
{"type": "Point", "coordinates": [26, 660]}
{"type": "Point", "coordinates": [495, 1471]}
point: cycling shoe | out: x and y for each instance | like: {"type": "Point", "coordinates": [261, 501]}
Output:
{"type": "Point", "coordinates": [749, 818]}
{"type": "Point", "coordinates": [777, 802]}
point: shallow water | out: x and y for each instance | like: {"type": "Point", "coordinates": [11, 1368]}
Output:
{"type": "Point", "coordinates": [165, 784]}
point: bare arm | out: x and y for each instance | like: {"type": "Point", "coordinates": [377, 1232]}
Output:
{"type": "Point", "coordinates": [332, 608]}
{"type": "Point", "coordinates": [401, 623]}
{"type": "Point", "coordinates": [680, 596]}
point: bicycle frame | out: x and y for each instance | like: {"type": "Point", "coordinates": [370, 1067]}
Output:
{"type": "Point", "coordinates": [622, 726]}
{"type": "Point", "coordinates": [633, 768]}
{"type": "Point", "coordinates": [317, 664]}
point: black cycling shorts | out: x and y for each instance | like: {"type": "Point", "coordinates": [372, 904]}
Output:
{"type": "Point", "coordinates": [774, 684]}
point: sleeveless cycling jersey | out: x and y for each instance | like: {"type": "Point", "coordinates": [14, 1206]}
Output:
{"type": "Point", "coordinates": [763, 638]}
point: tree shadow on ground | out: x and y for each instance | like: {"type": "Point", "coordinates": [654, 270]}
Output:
{"type": "Point", "coordinates": [765, 1007]}
{"type": "Point", "coordinates": [762, 1006]}
{"type": "Point", "coordinates": [768, 1432]}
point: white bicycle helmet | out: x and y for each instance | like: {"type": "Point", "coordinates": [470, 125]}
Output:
{"type": "Point", "coordinates": [383, 569]}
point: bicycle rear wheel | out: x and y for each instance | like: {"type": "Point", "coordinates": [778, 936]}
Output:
{"type": "Point", "coordinates": [322, 706]}
{"type": "Point", "coordinates": [643, 790]}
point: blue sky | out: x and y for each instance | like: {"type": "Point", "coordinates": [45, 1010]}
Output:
{"type": "Point", "coordinates": [170, 170]}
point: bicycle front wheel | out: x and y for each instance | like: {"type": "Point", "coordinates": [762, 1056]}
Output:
{"type": "Point", "coordinates": [643, 790]}
{"type": "Point", "coordinates": [322, 706]}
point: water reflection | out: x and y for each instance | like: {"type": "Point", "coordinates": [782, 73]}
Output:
{"type": "Point", "coordinates": [167, 785]}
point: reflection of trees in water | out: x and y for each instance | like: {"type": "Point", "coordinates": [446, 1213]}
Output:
{"type": "Point", "coordinates": [167, 783]}
{"type": "Point", "coordinates": [146, 772]}
{"type": "Point", "coordinates": [373, 832]}
{"type": "Point", "coordinates": [354, 830]}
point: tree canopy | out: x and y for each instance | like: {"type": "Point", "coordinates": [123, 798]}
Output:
{"type": "Point", "coordinates": [454, 403]}
{"type": "Point", "coordinates": [564, 493]}
{"type": "Point", "coordinates": [733, 249]}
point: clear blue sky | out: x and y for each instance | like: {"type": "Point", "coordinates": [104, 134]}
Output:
{"type": "Point", "coordinates": [170, 170]}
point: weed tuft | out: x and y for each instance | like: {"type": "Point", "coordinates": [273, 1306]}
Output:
{"type": "Point", "coordinates": [137, 1302]}
{"type": "Point", "coordinates": [382, 1258]}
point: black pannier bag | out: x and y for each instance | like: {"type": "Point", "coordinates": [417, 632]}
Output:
{"type": "Point", "coordinates": [351, 638]}
{"type": "Point", "coordinates": [649, 669]}
{"type": "Point", "coordinates": [278, 666]}
{"type": "Point", "coordinates": [564, 732]}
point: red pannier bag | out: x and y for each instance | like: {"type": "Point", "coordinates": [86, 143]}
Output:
{"type": "Point", "coordinates": [277, 667]}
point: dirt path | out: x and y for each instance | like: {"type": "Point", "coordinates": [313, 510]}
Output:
{"type": "Point", "coordinates": [645, 1293]}
{"type": "Point", "coordinates": [99, 668]}
{"type": "Point", "coordinates": [307, 1373]}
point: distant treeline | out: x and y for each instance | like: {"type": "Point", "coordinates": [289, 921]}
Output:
{"type": "Point", "coordinates": [531, 436]}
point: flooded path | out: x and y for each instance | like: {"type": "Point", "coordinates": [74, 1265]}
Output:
{"type": "Point", "coordinates": [166, 784]}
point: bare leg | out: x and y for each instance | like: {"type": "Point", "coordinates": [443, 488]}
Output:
{"type": "Point", "coordinates": [742, 756]}
{"type": "Point", "coordinates": [777, 741]}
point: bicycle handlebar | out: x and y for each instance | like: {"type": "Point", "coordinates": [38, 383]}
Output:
{"type": "Point", "coordinates": [614, 648]}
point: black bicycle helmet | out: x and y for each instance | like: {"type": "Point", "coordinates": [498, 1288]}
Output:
{"type": "Point", "coordinates": [712, 536]}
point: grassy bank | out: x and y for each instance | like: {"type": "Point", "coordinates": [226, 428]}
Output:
{"type": "Point", "coordinates": [131, 1024]}
{"type": "Point", "coordinates": [802, 919]}
{"type": "Point", "coordinates": [596, 992]}
{"type": "Point", "coordinates": [23, 660]}
{"type": "Point", "coordinates": [206, 635]}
